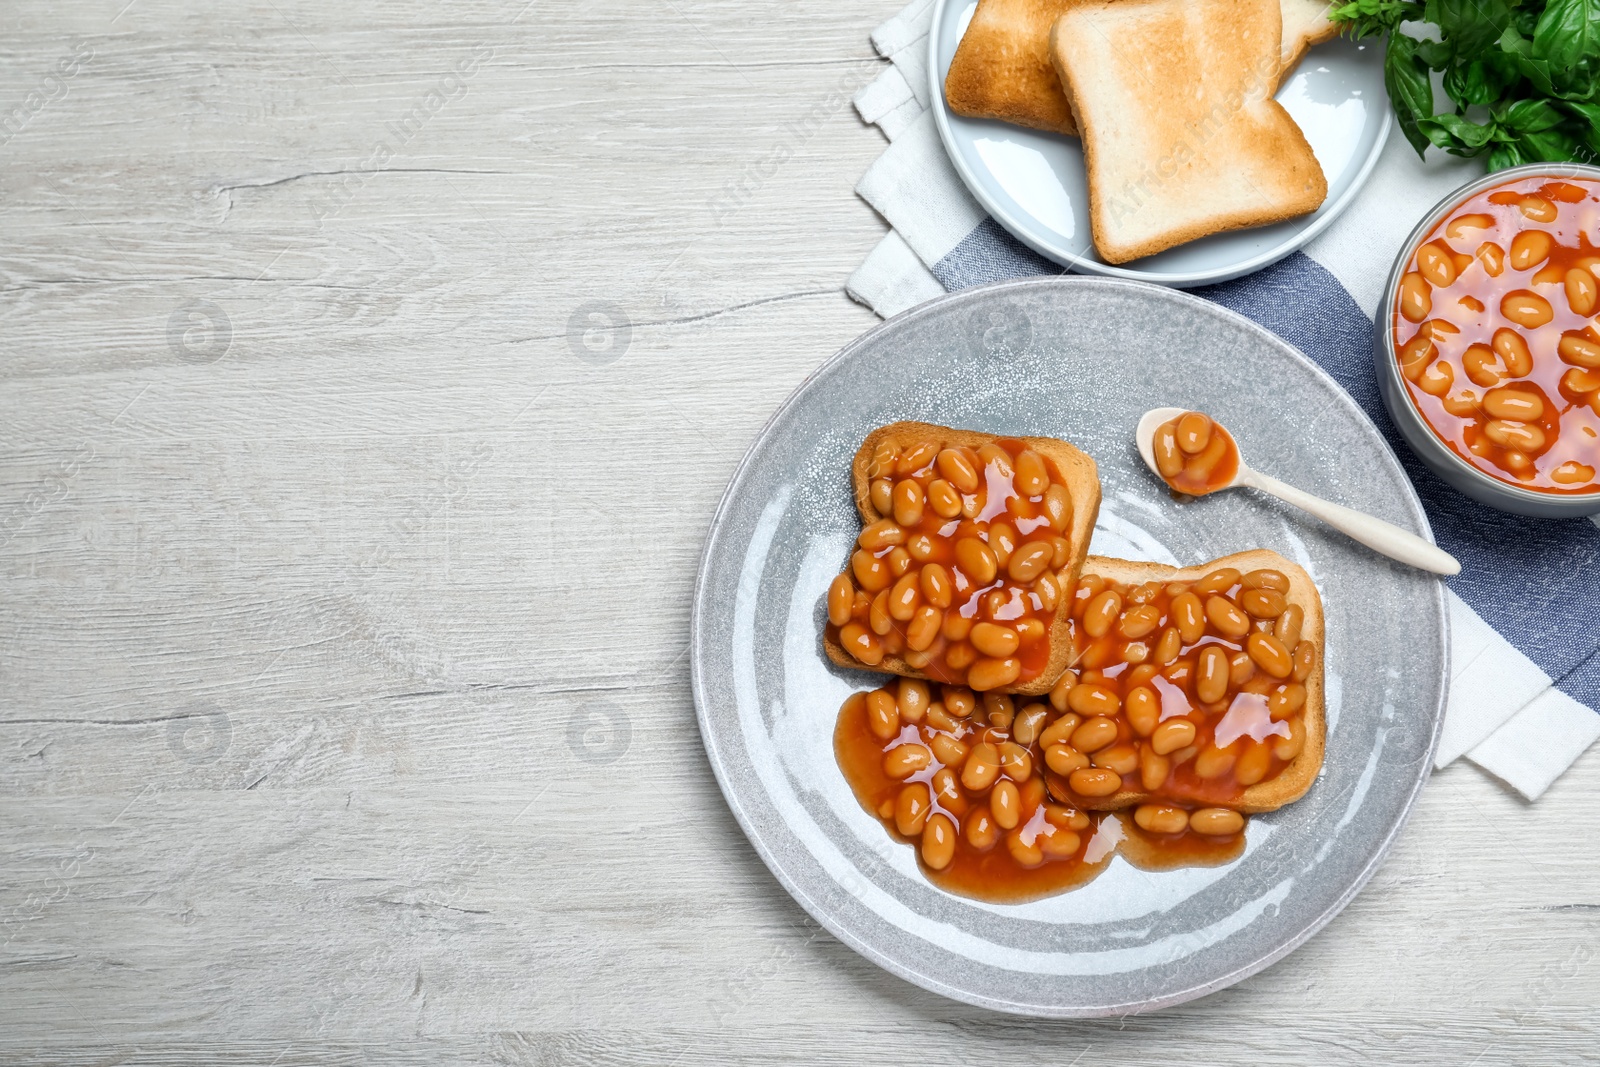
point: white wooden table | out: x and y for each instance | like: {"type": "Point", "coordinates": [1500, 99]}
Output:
{"type": "Point", "coordinates": [346, 557]}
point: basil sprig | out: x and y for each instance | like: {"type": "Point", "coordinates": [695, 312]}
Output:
{"type": "Point", "coordinates": [1522, 74]}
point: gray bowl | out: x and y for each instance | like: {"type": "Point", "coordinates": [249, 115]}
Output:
{"type": "Point", "coordinates": [1423, 441]}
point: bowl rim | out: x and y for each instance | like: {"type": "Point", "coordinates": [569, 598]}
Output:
{"type": "Point", "coordinates": [1579, 504]}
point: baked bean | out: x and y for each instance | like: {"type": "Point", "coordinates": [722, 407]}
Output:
{"type": "Point", "coordinates": [998, 709]}
{"type": "Point", "coordinates": [1124, 758]}
{"type": "Point", "coordinates": [1529, 249]}
{"type": "Point", "coordinates": [1029, 723]}
{"type": "Point", "coordinates": [911, 808]}
{"type": "Point", "coordinates": [841, 600]}
{"type": "Point", "coordinates": [1527, 309]}
{"type": "Point", "coordinates": [981, 830]}
{"type": "Point", "coordinates": [1573, 473]}
{"type": "Point", "coordinates": [1002, 541]}
{"type": "Point", "coordinates": [1015, 762]}
{"type": "Point", "coordinates": [1161, 819]}
{"type": "Point", "coordinates": [956, 626]}
{"type": "Point", "coordinates": [1578, 382]}
{"type": "Point", "coordinates": [916, 458]}
{"type": "Point", "coordinates": [1064, 759]}
{"type": "Point", "coordinates": [1088, 586]}
{"type": "Point", "coordinates": [1032, 478]}
{"type": "Point", "coordinates": [872, 574]}
{"type": "Point", "coordinates": [1189, 616]}
{"type": "Point", "coordinates": [1058, 507]}
{"type": "Point", "coordinates": [934, 582]}
{"type": "Point", "coordinates": [878, 616]}
{"type": "Point", "coordinates": [861, 643]}
{"type": "Point", "coordinates": [1253, 764]}
{"type": "Point", "coordinates": [1139, 621]}
{"type": "Point", "coordinates": [948, 750]}
{"type": "Point", "coordinates": [1285, 700]}
{"type": "Point", "coordinates": [991, 673]}
{"type": "Point", "coordinates": [1580, 350]}
{"type": "Point", "coordinates": [881, 534]}
{"type": "Point", "coordinates": [899, 561]}
{"type": "Point", "coordinates": [1581, 291]}
{"type": "Point", "coordinates": [939, 842]}
{"type": "Point", "coordinates": [1240, 669]}
{"type": "Point", "coordinates": [1287, 748]}
{"type": "Point", "coordinates": [1263, 603]}
{"type": "Point", "coordinates": [943, 499]}
{"type": "Point", "coordinates": [884, 457]}
{"type": "Point", "coordinates": [976, 560]}
{"type": "Point", "coordinates": [1518, 435]}
{"type": "Point", "coordinates": [883, 714]}
{"type": "Point", "coordinates": [1029, 630]}
{"type": "Point", "coordinates": [1089, 700]}
{"type": "Point", "coordinates": [1211, 674]}
{"type": "Point", "coordinates": [1094, 782]}
{"type": "Point", "coordinates": [1537, 208]}
{"type": "Point", "coordinates": [1029, 561]}
{"type": "Point", "coordinates": [1065, 818]}
{"type": "Point", "coordinates": [1436, 265]}
{"type": "Point", "coordinates": [1493, 258]}
{"type": "Point", "coordinates": [1287, 629]}
{"type": "Point", "coordinates": [1462, 223]}
{"type": "Point", "coordinates": [1519, 405]}
{"type": "Point", "coordinates": [938, 718]}
{"type": "Point", "coordinates": [1483, 366]}
{"type": "Point", "coordinates": [1193, 432]}
{"type": "Point", "coordinates": [908, 502]}
{"type": "Point", "coordinates": [994, 640]}
{"type": "Point", "coordinates": [947, 790]}
{"type": "Point", "coordinates": [982, 767]}
{"type": "Point", "coordinates": [1437, 378]}
{"type": "Point", "coordinates": [1168, 646]}
{"type": "Point", "coordinates": [1101, 612]}
{"type": "Point", "coordinates": [903, 761]}
{"type": "Point", "coordinates": [1171, 736]}
{"type": "Point", "coordinates": [1143, 709]}
{"type": "Point", "coordinates": [1005, 804]}
{"type": "Point", "coordinates": [958, 470]}
{"type": "Point", "coordinates": [1060, 731]}
{"type": "Point", "coordinates": [958, 700]}
{"type": "Point", "coordinates": [1059, 691]}
{"type": "Point", "coordinates": [1094, 734]}
{"type": "Point", "coordinates": [1057, 843]}
{"type": "Point", "coordinates": [1415, 354]}
{"type": "Point", "coordinates": [993, 603]}
{"type": "Point", "coordinates": [1416, 297]}
{"type": "Point", "coordinates": [904, 597]}
{"type": "Point", "coordinates": [1199, 467]}
{"type": "Point", "coordinates": [1305, 657]}
{"type": "Point", "coordinates": [997, 459]}
{"type": "Point", "coordinates": [1024, 850]}
{"type": "Point", "coordinates": [1217, 581]}
{"type": "Point", "coordinates": [1216, 822]}
{"type": "Point", "coordinates": [1214, 762]}
{"type": "Point", "coordinates": [1270, 655]}
{"type": "Point", "coordinates": [882, 495]}
{"type": "Point", "coordinates": [1048, 591]}
{"type": "Point", "coordinates": [1510, 347]}
{"type": "Point", "coordinates": [1225, 616]}
{"type": "Point", "coordinates": [1153, 769]}
{"type": "Point", "coordinates": [1168, 456]}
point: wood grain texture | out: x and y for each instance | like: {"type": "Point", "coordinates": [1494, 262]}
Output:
{"type": "Point", "coordinates": [315, 747]}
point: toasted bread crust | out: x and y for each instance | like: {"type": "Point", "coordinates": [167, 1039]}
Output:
{"type": "Point", "coordinates": [1002, 68]}
{"type": "Point", "coordinates": [1297, 777]}
{"type": "Point", "coordinates": [1078, 473]}
{"type": "Point", "coordinates": [1305, 23]}
{"type": "Point", "coordinates": [1169, 164]}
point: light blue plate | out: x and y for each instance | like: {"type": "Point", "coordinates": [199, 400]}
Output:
{"type": "Point", "coordinates": [1033, 182]}
{"type": "Point", "coordinates": [1080, 359]}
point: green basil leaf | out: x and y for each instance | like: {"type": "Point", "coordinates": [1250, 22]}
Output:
{"type": "Point", "coordinates": [1588, 118]}
{"type": "Point", "coordinates": [1452, 132]}
{"type": "Point", "coordinates": [1568, 33]}
{"type": "Point", "coordinates": [1520, 51]}
{"type": "Point", "coordinates": [1469, 25]}
{"type": "Point", "coordinates": [1503, 156]}
{"type": "Point", "coordinates": [1529, 116]}
{"type": "Point", "coordinates": [1410, 90]}
{"type": "Point", "coordinates": [1473, 83]}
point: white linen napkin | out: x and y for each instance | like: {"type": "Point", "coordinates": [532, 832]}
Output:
{"type": "Point", "coordinates": [1524, 697]}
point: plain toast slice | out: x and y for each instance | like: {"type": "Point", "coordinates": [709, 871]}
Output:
{"type": "Point", "coordinates": [1181, 136]}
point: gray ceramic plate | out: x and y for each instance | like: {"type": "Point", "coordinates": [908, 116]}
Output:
{"type": "Point", "coordinates": [1080, 359]}
{"type": "Point", "coordinates": [1033, 182]}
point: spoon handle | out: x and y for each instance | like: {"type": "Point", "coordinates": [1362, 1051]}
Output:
{"type": "Point", "coordinates": [1376, 534]}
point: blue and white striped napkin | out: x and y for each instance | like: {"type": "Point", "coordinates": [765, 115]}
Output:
{"type": "Point", "coordinates": [1525, 610]}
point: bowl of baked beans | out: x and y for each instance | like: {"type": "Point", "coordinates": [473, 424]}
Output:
{"type": "Point", "coordinates": [1488, 340]}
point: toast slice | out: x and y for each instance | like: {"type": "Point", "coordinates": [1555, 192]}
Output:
{"type": "Point", "coordinates": [1002, 68]}
{"type": "Point", "coordinates": [1181, 136]}
{"type": "Point", "coordinates": [1291, 784]}
{"type": "Point", "coordinates": [1074, 469]}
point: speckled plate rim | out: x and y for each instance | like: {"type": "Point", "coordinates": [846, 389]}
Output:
{"type": "Point", "coordinates": [1022, 230]}
{"type": "Point", "coordinates": [699, 683]}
